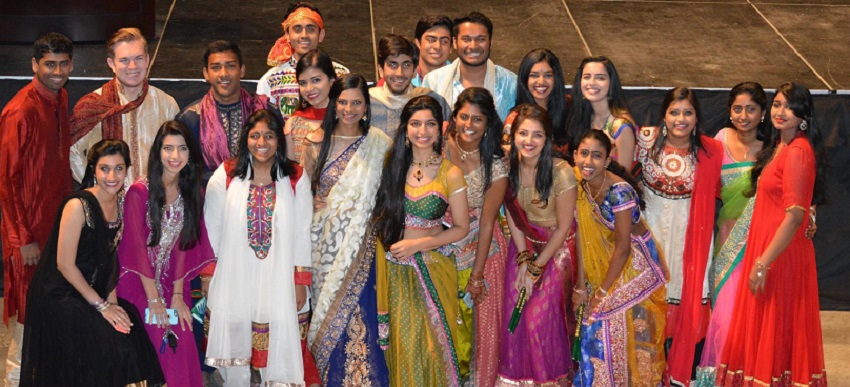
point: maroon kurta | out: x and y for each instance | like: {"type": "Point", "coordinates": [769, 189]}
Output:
{"type": "Point", "coordinates": [35, 176]}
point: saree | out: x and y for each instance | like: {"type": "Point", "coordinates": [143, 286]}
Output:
{"type": "Point", "coordinates": [537, 352]}
{"type": "Point", "coordinates": [733, 223]}
{"type": "Point", "coordinates": [622, 340]}
{"type": "Point", "coordinates": [343, 330]}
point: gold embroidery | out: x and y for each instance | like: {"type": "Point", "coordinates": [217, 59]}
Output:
{"type": "Point", "coordinates": [260, 336]}
{"type": "Point", "coordinates": [356, 351]}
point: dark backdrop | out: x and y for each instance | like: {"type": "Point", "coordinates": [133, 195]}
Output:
{"type": "Point", "coordinates": [832, 111]}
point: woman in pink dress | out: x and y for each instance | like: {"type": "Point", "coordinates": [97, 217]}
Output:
{"type": "Point", "coordinates": [165, 245]}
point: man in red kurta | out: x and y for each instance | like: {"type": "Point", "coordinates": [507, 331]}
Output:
{"type": "Point", "coordinates": [34, 176]}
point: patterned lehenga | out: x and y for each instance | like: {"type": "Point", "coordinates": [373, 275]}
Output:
{"type": "Point", "coordinates": [418, 296]}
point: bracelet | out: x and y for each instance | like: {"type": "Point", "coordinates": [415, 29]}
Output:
{"type": "Point", "coordinates": [596, 294]}
{"type": "Point", "coordinates": [761, 269]}
{"type": "Point", "coordinates": [101, 305]}
{"type": "Point", "coordinates": [534, 270]}
{"type": "Point", "coordinates": [522, 257]}
{"type": "Point", "coordinates": [580, 291]}
{"type": "Point", "coordinates": [206, 278]}
{"type": "Point", "coordinates": [476, 283]}
{"type": "Point", "coordinates": [155, 300]}
{"type": "Point", "coordinates": [177, 294]}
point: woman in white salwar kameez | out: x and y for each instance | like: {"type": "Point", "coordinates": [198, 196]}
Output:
{"type": "Point", "coordinates": [258, 211]}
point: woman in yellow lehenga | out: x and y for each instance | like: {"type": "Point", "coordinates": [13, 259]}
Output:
{"type": "Point", "coordinates": [416, 274]}
{"type": "Point", "coordinates": [621, 275]}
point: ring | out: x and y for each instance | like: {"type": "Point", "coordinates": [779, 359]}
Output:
{"type": "Point", "coordinates": [758, 274]}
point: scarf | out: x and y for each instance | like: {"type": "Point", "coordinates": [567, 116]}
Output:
{"type": "Point", "coordinates": [214, 142]}
{"type": "Point", "coordinates": [697, 250]}
{"type": "Point", "coordinates": [311, 113]}
{"type": "Point", "coordinates": [93, 109]}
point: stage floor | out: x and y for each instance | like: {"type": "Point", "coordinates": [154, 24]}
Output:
{"type": "Point", "coordinates": [660, 43]}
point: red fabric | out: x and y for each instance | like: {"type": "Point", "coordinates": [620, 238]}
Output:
{"type": "Point", "coordinates": [105, 107]}
{"type": "Point", "coordinates": [303, 278]}
{"type": "Point", "coordinates": [691, 319]}
{"type": "Point", "coordinates": [35, 175]}
{"type": "Point", "coordinates": [311, 372]}
{"type": "Point", "coordinates": [311, 113]}
{"type": "Point", "coordinates": [777, 334]}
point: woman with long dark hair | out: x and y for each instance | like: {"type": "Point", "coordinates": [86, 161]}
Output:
{"type": "Point", "coordinates": [257, 213]}
{"type": "Point", "coordinates": [775, 335]}
{"type": "Point", "coordinates": [472, 144]}
{"type": "Point", "coordinates": [165, 246]}
{"type": "Point", "coordinates": [621, 274]}
{"type": "Point", "coordinates": [681, 178]}
{"type": "Point", "coordinates": [541, 81]}
{"type": "Point", "coordinates": [345, 163]}
{"type": "Point", "coordinates": [742, 140]}
{"type": "Point", "coordinates": [598, 102]}
{"type": "Point", "coordinates": [315, 75]}
{"type": "Point", "coordinates": [78, 332]}
{"type": "Point", "coordinates": [540, 200]}
{"type": "Point", "coordinates": [416, 275]}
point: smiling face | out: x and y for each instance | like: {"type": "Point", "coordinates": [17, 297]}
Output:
{"type": "Point", "coordinates": [304, 35]}
{"type": "Point", "coordinates": [174, 154]}
{"type": "Point", "coordinates": [130, 63]}
{"type": "Point", "coordinates": [262, 143]}
{"type": "Point", "coordinates": [745, 113]}
{"type": "Point", "coordinates": [782, 116]}
{"type": "Point", "coordinates": [53, 70]}
{"type": "Point", "coordinates": [472, 44]}
{"type": "Point", "coordinates": [315, 86]}
{"type": "Point", "coordinates": [530, 138]}
{"type": "Point", "coordinates": [681, 119]}
{"type": "Point", "coordinates": [470, 124]}
{"type": "Point", "coordinates": [224, 74]}
{"type": "Point", "coordinates": [595, 82]}
{"type": "Point", "coordinates": [591, 158]}
{"type": "Point", "coordinates": [350, 107]}
{"type": "Point", "coordinates": [110, 172]}
{"type": "Point", "coordinates": [423, 129]}
{"type": "Point", "coordinates": [541, 80]}
{"type": "Point", "coordinates": [398, 72]}
{"type": "Point", "coordinates": [435, 46]}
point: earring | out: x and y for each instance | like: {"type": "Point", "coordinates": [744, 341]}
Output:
{"type": "Point", "coordinates": [730, 118]}
{"type": "Point", "coordinates": [762, 119]}
{"type": "Point", "coordinates": [664, 130]}
{"type": "Point", "coordinates": [804, 125]}
{"type": "Point", "coordinates": [95, 181]}
{"type": "Point", "coordinates": [407, 143]}
{"type": "Point", "coordinates": [694, 132]}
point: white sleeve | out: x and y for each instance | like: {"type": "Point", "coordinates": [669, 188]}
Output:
{"type": "Point", "coordinates": [214, 203]}
{"type": "Point", "coordinates": [303, 220]}
{"type": "Point", "coordinates": [263, 87]}
{"type": "Point", "coordinates": [77, 155]}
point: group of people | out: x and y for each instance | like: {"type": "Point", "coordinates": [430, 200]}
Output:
{"type": "Point", "coordinates": [455, 224]}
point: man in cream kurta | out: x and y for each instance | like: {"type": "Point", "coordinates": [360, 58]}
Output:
{"type": "Point", "coordinates": [142, 108]}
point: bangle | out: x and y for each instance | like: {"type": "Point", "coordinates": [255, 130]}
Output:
{"type": "Point", "coordinates": [206, 278]}
{"type": "Point", "coordinates": [476, 283]}
{"type": "Point", "coordinates": [101, 305]}
{"type": "Point", "coordinates": [155, 300]}
{"type": "Point", "coordinates": [580, 291]}
{"type": "Point", "coordinates": [761, 269]}
{"type": "Point", "coordinates": [596, 294]}
{"type": "Point", "coordinates": [522, 257]}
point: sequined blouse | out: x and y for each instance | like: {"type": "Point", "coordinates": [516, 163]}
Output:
{"type": "Point", "coordinates": [475, 180]}
{"type": "Point", "coordinates": [540, 211]}
{"type": "Point", "coordinates": [261, 201]}
{"type": "Point", "coordinates": [426, 204]}
{"type": "Point", "coordinates": [620, 197]}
